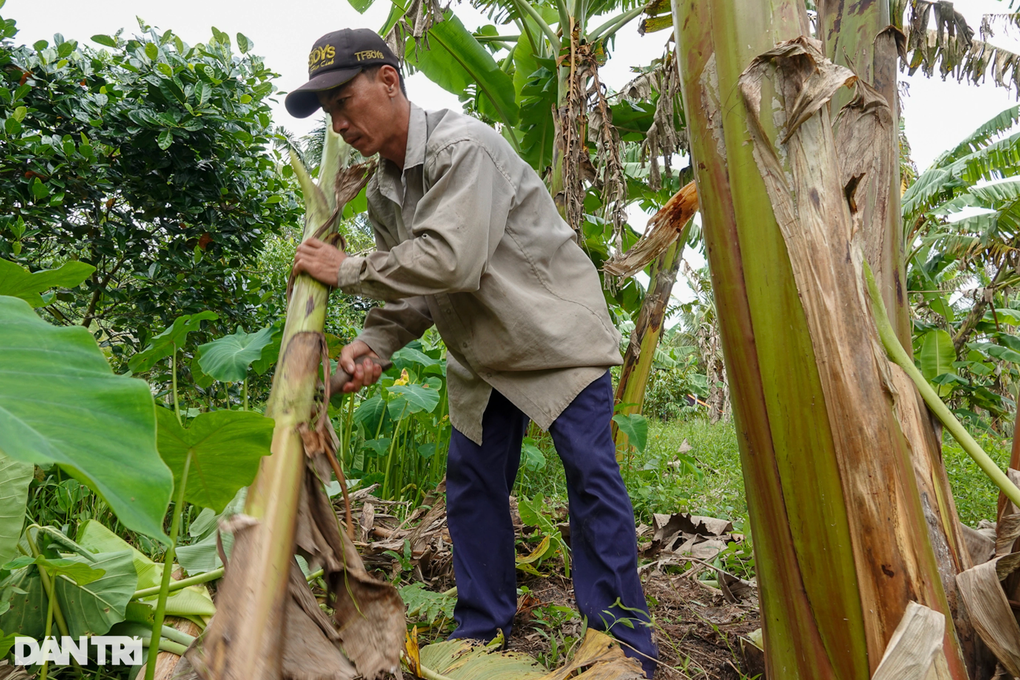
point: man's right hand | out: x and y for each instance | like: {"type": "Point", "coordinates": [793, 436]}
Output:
{"type": "Point", "coordinates": [354, 361]}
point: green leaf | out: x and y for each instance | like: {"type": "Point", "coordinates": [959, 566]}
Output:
{"type": "Point", "coordinates": [79, 572]}
{"type": "Point", "coordinates": [227, 358]}
{"type": "Point", "coordinates": [635, 426]}
{"type": "Point", "coordinates": [93, 608]}
{"type": "Point", "coordinates": [191, 601]}
{"type": "Point", "coordinates": [361, 6]}
{"type": "Point", "coordinates": [6, 641]}
{"type": "Point", "coordinates": [26, 601]}
{"type": "Point", "coordinates": [61, 403]}
{"type": "Point", "coordinates": [13, 499]}
{"type": "Point", "coordinates": [937, 354]}
{"type": "Point", "coordinates": [417, 397]}
{"type": "Point", "coordinates": [456, 60]}
{"type": "Point", "coordinates": [531, 456]}
{"type": "Point", "coordinates": [378, 447]}
{"type": "Point", "coordinates": [171, 339]}
{"type": "Point", "coordinates": [243, 43]}
{"type": "Point", "coordinates": [165, 139]}
{"type": "Point", "coordinates": [271, 352]}
{"type": "Point", "coordinates": [104, 40]}
{"type": "Point", "coordinates": [18, 282]}
{"type": "Point", "coordinates": [20, 113]}
{"type": "Point", "coordinates": [369, 414]}
{"type": "Point", "coordinates": [225, 446]}
{"type": "Point", "coordinates": [151, 51]}
{"type": "Point", "coordinates": [39, 190]}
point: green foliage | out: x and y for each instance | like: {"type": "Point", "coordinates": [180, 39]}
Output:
{"type": "Point", "coordinates": [974, 494]}
{"type": "Point", "coordinates": [150, 161]}
{"type": "Point", "coordinates": [16, 281]}
{"type": "Point", "coordinates": [397, 433]}
{"type": "Point", "coordinates": [13, 500]}
{"type": "Point", "coordinates": [635, 426]}
{"type": "Point", "coordinates": [61, 403]}
{"type": "Point", "coordinates": [193, 601]}
{"type": "Point", "coordinates": [458, 63]}
{"type": "Point", "coordinates": [169, 341]}
{"type": "Point", "coordinates": [434, 609]}
{"type": "Point", "coordinates": [90, 606]}
{"type": "Point", "coordinates": [225, 449]}
{"type": "Point", "coordinates": [228, 358]}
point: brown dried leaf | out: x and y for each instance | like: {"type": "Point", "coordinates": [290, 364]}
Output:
{"type": "Point", "coordinates": [990, 610]}
{"type": "Point", "coordinates": [601, 658]}
{"type": "Point", "coordinates": [914, 647]}
{"type": "Point", "coordinates": [663, 229]}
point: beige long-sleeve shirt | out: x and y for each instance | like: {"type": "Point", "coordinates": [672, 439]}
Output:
{"type": "Point", "coordinates": [469, 239]}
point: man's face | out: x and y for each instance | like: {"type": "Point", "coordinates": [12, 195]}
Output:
{"type": "Point", "coordinates": [362, 112]}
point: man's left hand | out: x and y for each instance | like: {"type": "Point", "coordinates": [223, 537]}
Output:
{"type": "Point", "coordinates": [319, 260]}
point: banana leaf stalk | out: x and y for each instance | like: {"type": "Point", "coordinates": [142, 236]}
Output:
{"type": "Point", "coordinates": [668, 229]}
{"type": "Point", "coordinates": [268, 625]}
{"type": "Point", "coordinates": [840, 538]}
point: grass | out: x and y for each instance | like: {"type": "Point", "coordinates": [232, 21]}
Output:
{"type": "Point", "coordinates": [975, 495]}
{"type": "Point", "coordinates": [704, 480]}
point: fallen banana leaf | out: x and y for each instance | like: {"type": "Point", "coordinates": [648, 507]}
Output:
{"type": "Point", "coordinates": [598, 658]}
{"type": "Point", "coordinates": [990, 611]}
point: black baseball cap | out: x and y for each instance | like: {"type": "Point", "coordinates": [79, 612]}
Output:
{"type": "Point", "coordinates": [336, 58]}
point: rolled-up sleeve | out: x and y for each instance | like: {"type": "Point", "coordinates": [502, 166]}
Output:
{"type": "Point", "coordinates": [457, 225]}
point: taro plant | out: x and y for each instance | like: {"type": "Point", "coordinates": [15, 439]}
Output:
{"type": "Point", "coordinates": [398, 435]}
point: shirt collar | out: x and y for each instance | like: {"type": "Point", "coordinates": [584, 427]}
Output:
{"type": "Point", "coordinates": [416, 133]}
{"type": "Point", "coordinates": [414, 155]}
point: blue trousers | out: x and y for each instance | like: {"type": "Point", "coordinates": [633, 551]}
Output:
{"type": "Point", "coordinates": [479, 480]}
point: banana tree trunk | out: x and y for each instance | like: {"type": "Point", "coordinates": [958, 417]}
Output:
{"type": "Point", "coordinates": [840, 544]}
{"type": "Point", "coordinates": [267, 621]}
{"type": "Point", "coordinates": [861, 37]}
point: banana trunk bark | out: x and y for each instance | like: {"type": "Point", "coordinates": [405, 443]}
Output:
{"type": "Point", "coordinates": [841, 545]}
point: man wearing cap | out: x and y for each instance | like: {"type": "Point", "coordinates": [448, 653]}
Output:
{"type": "Point", "coordinates": [469, 240]}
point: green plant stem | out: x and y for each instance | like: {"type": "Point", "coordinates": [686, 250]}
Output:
{"type": "Point", "coordinates": [900, 357]}
{"type": "Point", "coordinates": [497, 38]}
{"type": "Point", "coordinates": [244, 389]}
{"type": "Point", "coordinates": [609, 29]}
{"type": "Point", "coordinates": [179, 585]}
{"type": "Point", "coordinates": [163, 646]}
{"type": "Point", "coordinates": [526, 8]}
{"type": "Point", "coordinates": [46, 636]}
{"type": "Point", "coordinates": [168, 565]}
{"type": "Point", "coordinates": [389, 457]}
{"type": "Point", "coordinates": [566, 23]}
{"type": "Point", "coordinates": [49, 586]}
{"type": "Point", "coordinates": [173, 380]}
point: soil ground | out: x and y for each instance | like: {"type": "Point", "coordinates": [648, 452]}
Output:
{"type": "Point", "coordinates": [697, 631]}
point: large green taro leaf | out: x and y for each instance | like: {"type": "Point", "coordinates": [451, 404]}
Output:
{"type": "Point", "coordinates": [89, 609]}
{"type": "Point", "coordinates": [170, 340]}
{"type": "Point", "coordinates": [227, 358]}
{"type": "Point", "coordinates": [23, 592]}
{"type": "Point", "coordinates": [193, 601]}
{"type": "Point", "coordinates": [61, 403]}
{"type": "Point", "coordinates": [225, 447]}
{"type": "Point", "coordinates": [18, 282]}
{"type": "Point", "coordinates": [14, 479]}
{"type": "Point", "coordinates": [93, 608]}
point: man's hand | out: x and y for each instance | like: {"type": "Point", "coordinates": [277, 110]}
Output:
{"type": "Point", "coordinates": [362, 372]}
{"type": "Point", "coordinates": [321, 261]}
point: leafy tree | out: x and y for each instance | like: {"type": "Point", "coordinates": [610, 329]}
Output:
{"type": "Point", "coordinates": [151, 160]}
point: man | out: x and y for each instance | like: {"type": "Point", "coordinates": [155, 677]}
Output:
{"type": "Point", "coordinates": [469, 240]}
